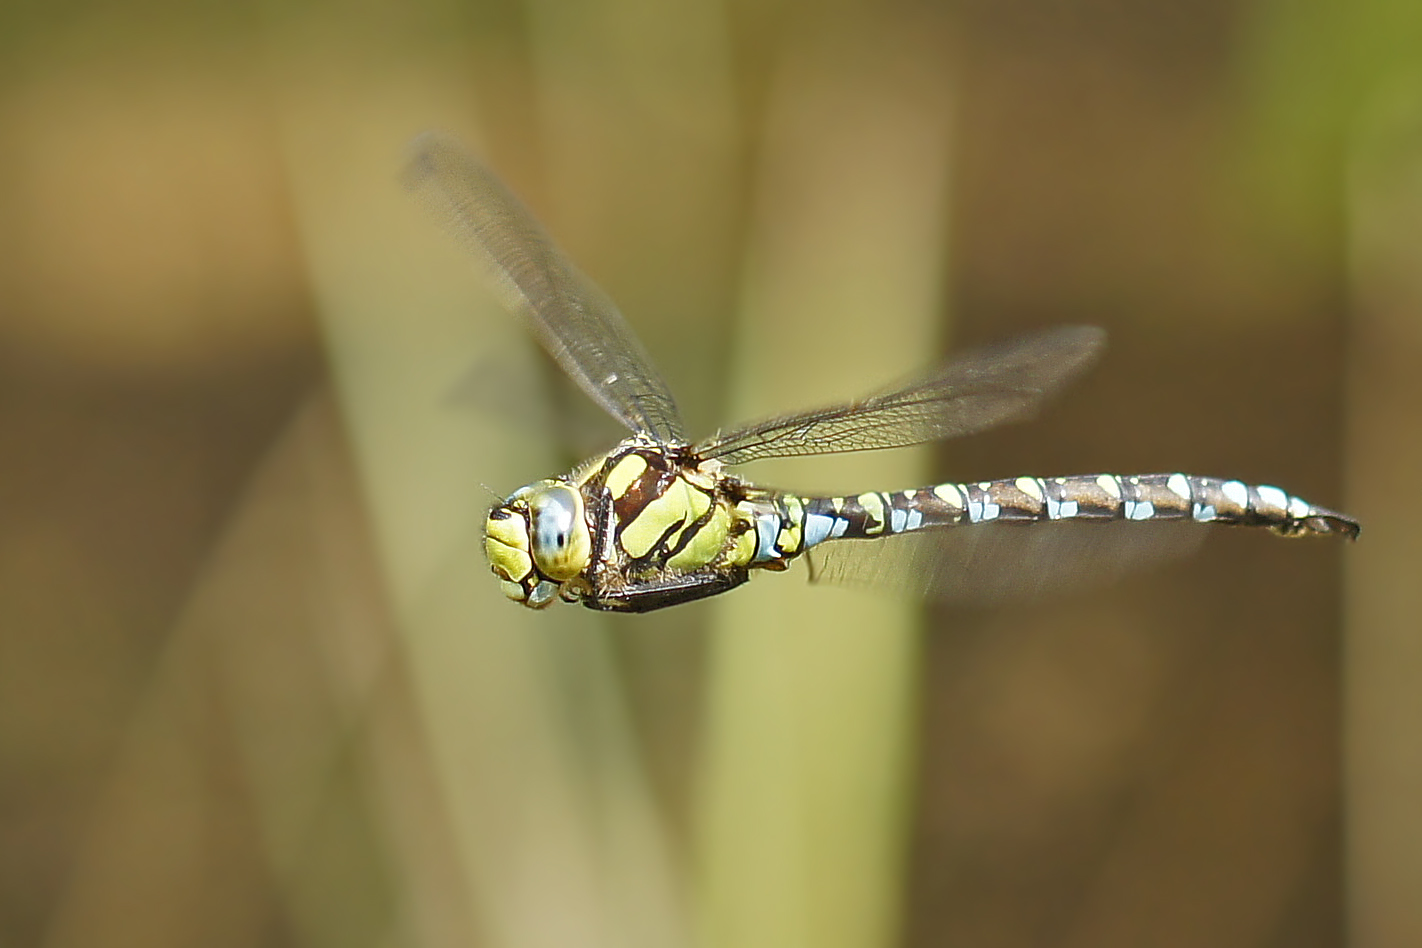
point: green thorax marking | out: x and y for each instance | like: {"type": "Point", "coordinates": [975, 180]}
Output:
{"type": "Point", "coordinates": [659, 513]}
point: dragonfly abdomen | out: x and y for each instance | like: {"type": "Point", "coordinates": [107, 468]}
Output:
{"type": "Point", "coordinates": [799, 523]}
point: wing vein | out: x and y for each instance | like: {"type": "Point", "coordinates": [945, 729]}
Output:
{"type": "Point", "coordinates": [569, 315]}
{"type": "Point", "coordinates": [977, 391]}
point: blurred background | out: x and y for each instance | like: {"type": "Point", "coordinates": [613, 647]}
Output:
{"type": "Point", "coordinates": [257, 687]}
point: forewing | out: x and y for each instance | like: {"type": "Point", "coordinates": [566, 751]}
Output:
{"type": "Point", "coordinates": [989, 563]}
{"type": "Point", "coordinates": [573, 319]}
{"type": "Point", "coordinates": [975, 392]}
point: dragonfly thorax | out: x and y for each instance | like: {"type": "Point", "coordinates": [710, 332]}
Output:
{"type": "Point", "coordinates": [537, 540]}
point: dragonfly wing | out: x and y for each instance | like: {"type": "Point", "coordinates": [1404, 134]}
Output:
{"type": "Point", "coordinates": [975, 392]}
{"type": "Point", "coordinates": [573, 319]}
{"type": "Point", "coordinates": [995, 562]}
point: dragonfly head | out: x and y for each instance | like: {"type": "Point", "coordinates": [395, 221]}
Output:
{"type": "Point", "coordinates": [537, 540]}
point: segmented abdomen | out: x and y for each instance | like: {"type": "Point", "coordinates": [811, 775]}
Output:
{"type": "Point", "coordinates": [799, 523]}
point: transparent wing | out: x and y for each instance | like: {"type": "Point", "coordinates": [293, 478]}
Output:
{"type": "Point", "coordinates": [978, 391]}
{"type": "Point", "coordinates": [573, 319]}
{"type": "Point", "coordinates": [994, 562]}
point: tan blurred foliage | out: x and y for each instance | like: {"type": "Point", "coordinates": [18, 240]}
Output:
{"type": "Point", "coordinates": [257, 688]}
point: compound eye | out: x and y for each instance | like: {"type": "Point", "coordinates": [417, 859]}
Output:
{"type": "Point", "coordinates": [561, 543]}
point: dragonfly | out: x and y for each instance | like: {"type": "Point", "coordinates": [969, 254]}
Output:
{"type": "Point", "coordinates": [660, 520]}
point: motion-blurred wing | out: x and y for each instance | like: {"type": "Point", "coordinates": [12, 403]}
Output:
{"type": "Point", "coordinates": [989, 563]}
{"type": "Point", "coordinates": [573, 319]}
{"type": "Point", "coordinates": [978, 391]}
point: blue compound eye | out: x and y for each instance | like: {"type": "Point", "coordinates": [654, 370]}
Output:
{"type": "Point", "coordinates": [561, 541]}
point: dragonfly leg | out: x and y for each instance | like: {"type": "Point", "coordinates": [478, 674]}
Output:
{"type": "Point", "coordinates": [666, 591]}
